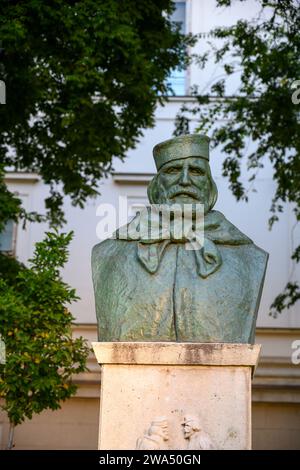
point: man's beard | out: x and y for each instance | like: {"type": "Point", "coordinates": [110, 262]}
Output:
{"type": "Point", "coordinates": [193, 196]}
{"type": "Point", "coordinates": [163, 195]}
{"type": "Point", "coordinates": [186, 191]}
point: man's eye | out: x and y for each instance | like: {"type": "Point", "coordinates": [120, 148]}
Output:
{"type": "Point", "coordinates": [172, 170]}
{"type": "Point", "coordinates": [197, 171]}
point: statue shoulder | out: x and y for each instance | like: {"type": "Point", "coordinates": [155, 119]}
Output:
{"type": "Point", "coordinates": [104, 250]}
{"type": "Point", "coordinates": [228, 233]}
{"type": "Point", "coordinates": [102, 246]}
{"type": "Point", "coordinates": [262, 253]}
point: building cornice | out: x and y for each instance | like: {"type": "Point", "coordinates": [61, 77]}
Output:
{"type": "Point", "coordinates": [132, 178]}
{"type": "Point", "coordinates": [21, 177]}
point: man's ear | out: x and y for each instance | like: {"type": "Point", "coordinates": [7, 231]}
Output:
{"type": "Point", "coordinates": [153, 190]}
{"type": "Point", "coordinates": [213, 193]}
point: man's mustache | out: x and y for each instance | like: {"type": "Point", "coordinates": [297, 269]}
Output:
{"type": "Point", "coordinates": [190, 191]}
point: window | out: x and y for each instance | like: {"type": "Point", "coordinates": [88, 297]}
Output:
{"type": "Point", "coordinates": [177, 77]}
{"type": "Point", "coordinates": [7, 238]}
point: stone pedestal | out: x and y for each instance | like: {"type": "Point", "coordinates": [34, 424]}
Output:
{"type": "Point", "coordinates": [157, 395]}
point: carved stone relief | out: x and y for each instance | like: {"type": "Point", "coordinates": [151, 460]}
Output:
{"type": "Point", "coordinates": [197, 438]}
{"type": "Point", "coordinates": [157, 435]}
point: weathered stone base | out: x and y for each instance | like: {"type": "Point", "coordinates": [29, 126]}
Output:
{"type": "Point", "coordinates": [158, 395]}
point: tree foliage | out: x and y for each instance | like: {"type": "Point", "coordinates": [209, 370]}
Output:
{"type": "Point", "coordinates": [265, 52]}
{"type": "Point", "coordinates": [41, 355]}
{"type": "Point", "coordinates": [82, 79]}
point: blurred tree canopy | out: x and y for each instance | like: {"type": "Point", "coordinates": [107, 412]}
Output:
{"type": "Point", "coordinates": [82, 79]}
{"type": "Point", "coordinates": [265, 52]}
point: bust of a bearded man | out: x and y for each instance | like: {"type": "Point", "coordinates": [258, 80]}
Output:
{"type": "Point", "coordinates": [154, 288]}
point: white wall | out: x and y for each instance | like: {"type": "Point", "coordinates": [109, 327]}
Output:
{"type": "Point", "coordinates": [251, 218]}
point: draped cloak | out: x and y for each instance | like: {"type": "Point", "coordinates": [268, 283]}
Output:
{"type": "Point", "coordinates": [159, 291]}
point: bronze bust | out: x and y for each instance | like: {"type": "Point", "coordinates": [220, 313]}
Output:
{"type": "Point", "coordinates": [154, 289]}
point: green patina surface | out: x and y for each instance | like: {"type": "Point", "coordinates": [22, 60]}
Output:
{"type": "Point", "coordinates": [157, 290]}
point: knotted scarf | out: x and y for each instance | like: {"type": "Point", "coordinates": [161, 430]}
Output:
{"type": "Point", "coordinates": [153, 236]}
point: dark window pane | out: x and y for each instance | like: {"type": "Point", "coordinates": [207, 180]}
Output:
{"type": "Point", "coordinates": [177, 77]}
{"type": "Point", "coordinates": [6, 237]}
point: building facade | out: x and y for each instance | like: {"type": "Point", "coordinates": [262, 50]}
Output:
{"type": "Point", "coordinates": [276, 385]}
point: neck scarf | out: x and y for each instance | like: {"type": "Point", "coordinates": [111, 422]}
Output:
{"type": "Point", "coordinates": [153, 236]}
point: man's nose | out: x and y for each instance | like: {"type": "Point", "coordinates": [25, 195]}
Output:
{"type": "Point", "coordinates": [185, 177]}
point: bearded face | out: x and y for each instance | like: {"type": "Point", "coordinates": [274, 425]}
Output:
{"type": "Point", "coordinates": [188, 430]}
{"type": "Point", "coordinates": [184, 181]}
